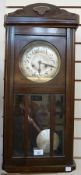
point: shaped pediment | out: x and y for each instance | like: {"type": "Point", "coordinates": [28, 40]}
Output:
{"type": "Point", "coordinates": [43, 9]}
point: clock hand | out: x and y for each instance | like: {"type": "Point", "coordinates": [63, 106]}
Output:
{"type": "Point", "coordinates": [47, 65]}
{"type": "Point", "coordinates": [39, 70]}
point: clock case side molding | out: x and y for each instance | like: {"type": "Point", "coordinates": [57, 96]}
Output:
{"type": "Point", "coordinates": [36, 22]}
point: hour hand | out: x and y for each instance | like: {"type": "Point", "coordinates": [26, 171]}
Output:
{"type": "Point", "coordinates": [39, 69]}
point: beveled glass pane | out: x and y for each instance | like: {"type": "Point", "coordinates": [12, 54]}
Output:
{"type": "Point", "coordinates": [59, 124]}
{"type": "Point", "coordinates": [39, 125]}
{"type": "Point", "coordinates": [18, 127]}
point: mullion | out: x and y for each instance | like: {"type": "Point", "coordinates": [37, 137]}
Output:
{"type": "Point", "coordinates": [26, 102]}
{"type": "Point", "coordinates": [52, 122]}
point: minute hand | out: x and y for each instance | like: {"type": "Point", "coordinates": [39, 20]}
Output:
{"type": "Point", "coordinates": [47, 65]}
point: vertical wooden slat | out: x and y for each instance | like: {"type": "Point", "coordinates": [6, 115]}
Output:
{"type": "Point", "coordinates": [26, 105]}
{"type": "Point", "coordinates": [9, 95]}
{"type": "Point", "coordinates": [6, 87]}
{"type": "Point", "coordinates": [69, 93]}
{"type": "Point", "coordinates": [52, 122]}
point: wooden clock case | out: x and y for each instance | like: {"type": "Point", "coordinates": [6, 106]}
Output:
{"type": "Point", "coordinates": [49, 23]}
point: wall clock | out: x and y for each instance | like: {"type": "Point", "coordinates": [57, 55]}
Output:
{"type": "Point", "coordinates": [39, 89]}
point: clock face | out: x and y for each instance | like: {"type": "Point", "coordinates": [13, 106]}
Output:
{"type": "Point", "coordinates": [40, 61]}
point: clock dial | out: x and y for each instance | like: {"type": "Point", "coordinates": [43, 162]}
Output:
{"type": "Point", "coordinates": [40, 61]}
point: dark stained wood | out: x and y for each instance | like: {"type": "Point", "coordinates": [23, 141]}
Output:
{"type": "Point", "coordinates": [54, 14]}
{"type": "Point", "coordinates": [69, 93]}
{"type": "Point", "coordinates": [25, 116]}
{"type": "Point", "coordinates": [38, 31]}
{"type": "Point", "coordinates": [8, 106]}
{"type": "Point", "coordinates": [52, 122]}
{"type": "Point", "coordinates": [44, 9]}
{"type": "Point", "coordinates": [56, 26]}
{"type": "Point", "coordinates": [36, 169]}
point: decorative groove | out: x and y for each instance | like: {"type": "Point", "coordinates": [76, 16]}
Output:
{"type": "Point", "coordinates": [78, 80]}
{"type": "Point", "coordinates": [77, 118]}
{"type": "Point", "coordinates": [77, 42]}
{"type": "Point", "coordinates": [77, 99]}
{"type": "Point", "coordinates": [77, 157]}
{"type": "Point", "coordinates": [77, 61]}
{"type": "Point", "coordinates": [77, 138]}
{"type": "Point", "coordinates": [15, 6]}
{"type": "Point", "coordinates": [79, 25]}
{"type": "Point", "coordinates": [57, 6]}
{"type": "Point", "coordinates": [70, 7]}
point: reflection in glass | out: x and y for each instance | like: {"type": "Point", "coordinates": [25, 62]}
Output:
{"type": "Point", "coordinates": [18, 127]}
{"type": "Point", "coordinates": [59, 122]}
{"type": "Point", "coordinates": [39, 133]}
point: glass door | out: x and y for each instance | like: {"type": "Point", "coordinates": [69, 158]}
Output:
{"type": "Point", "coordinates": [38, 127]}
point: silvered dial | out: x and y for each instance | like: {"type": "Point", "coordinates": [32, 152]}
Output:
{"type": "Point", "coordinates": [40, 62]}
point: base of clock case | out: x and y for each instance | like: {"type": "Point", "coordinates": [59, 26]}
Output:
{"type": "Point", "coordinates": [40, 169]}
